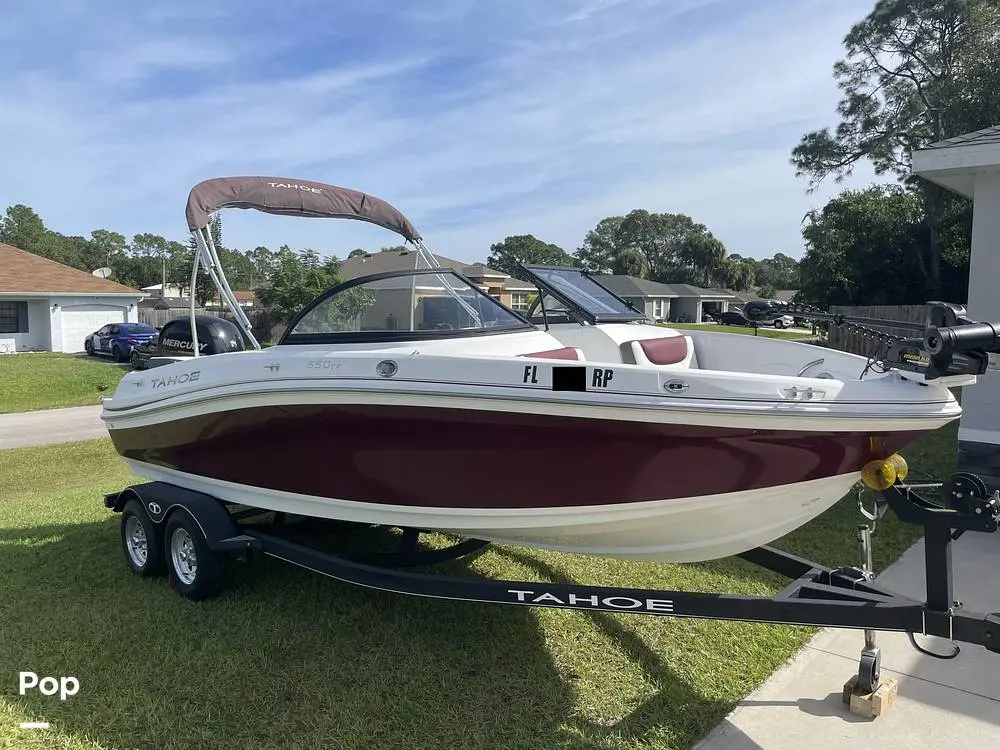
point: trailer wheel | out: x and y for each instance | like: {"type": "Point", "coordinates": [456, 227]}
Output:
{"type": "Point", "coordinates": [195, 570]}
{"type": "Point", "coordinates": [870, 670]}
{"type": "Point", "coordinates": [141, 541]}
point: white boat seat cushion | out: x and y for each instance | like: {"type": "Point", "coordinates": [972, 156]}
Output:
{"type": "Point", "coordinates": [676, 351]}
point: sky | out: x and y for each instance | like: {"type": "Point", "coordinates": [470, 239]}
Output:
{"type": "Point", "coordinates": [478, 119]}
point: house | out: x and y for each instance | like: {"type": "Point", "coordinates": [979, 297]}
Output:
{"type": "Point", "coordinates": [158, 290]}
{"type": "Point", "coordinates": [655, 300]}
{"type": "Point", "coordinates": [49, 306]}
{"type": "Point", "coordinates": [751, 295]}
{"type": "Point", "coordinates": [673, 302]}
{"type": "Point", "coordinates": [392, 307]}
{"type": "Point", "coordinates": [166, 303]}
{"type": "Point", "coordinates": [511, 292]}
{"type": "Point", "coordinates": [969, 165]}
{"type": "Point", "coordinates": [246, 300]}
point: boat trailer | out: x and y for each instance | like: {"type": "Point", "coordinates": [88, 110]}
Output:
{"type": "Point", "coordinates": [188, 535]}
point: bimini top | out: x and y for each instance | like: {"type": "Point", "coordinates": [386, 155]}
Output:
{"type": "Point", "coordinates": [280, 195]}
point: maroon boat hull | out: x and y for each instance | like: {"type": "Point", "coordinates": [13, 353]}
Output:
{"type": "Point", "coordinates": [436, 457]}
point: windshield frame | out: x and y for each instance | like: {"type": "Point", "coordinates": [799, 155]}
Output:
{"type": "Point", "coordinates": [573, 307]}
{"type": "Point", "coordinates": [368, 337]}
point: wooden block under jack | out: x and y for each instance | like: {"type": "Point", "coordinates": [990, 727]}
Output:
{"type": "Point", "coordinates": [870, 705]}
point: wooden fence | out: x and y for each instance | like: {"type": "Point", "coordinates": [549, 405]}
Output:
{"type": "Point", "coordinates": [159, 318]}
{"type": "Point", "coordinates": [856, 342]}
{"type": "Point", "coordinates": [263, 324]}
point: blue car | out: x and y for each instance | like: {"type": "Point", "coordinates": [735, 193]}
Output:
{"type": "Point", "coordinates": [117, 339]}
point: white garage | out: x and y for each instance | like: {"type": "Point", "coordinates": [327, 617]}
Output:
{"type": "Point", "coordinates": [48, 306]}
{"type": "Point", "coordinates": [79, 321]}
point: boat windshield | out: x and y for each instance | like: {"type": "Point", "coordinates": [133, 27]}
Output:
{"type": "Point", "coordinates": [402, 305]}
{"type": "Point", "coordinates": [579, 293]}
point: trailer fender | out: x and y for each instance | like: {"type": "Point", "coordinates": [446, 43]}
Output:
{"type": "Point", "coordinates": [161, 500]}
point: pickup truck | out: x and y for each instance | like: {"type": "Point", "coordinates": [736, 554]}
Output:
{"type": "Point", "coordinates": [174, 341]}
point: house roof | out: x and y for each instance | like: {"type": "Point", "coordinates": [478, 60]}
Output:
{"type": "Point", "coordinates": [781, 295]}
{"type": "Point", "coordinates": [633, 286]}
{"type": "Point", "coordinates": [241, 296]}
{"type": "Point", "coordinates": [957, 163]}
{"type": "Point", "coordinates": [975, 138]}
{"type": "Point", "coordinates": [399, 260]}
{"type": "Point", "coordinates": [687, 290]}
{"type": "Point", "coordinates": [22, 272]}
{"type": "Point", "coordinates": [166, 303]}
{"type": "Point", "coordinates": [516, 285]}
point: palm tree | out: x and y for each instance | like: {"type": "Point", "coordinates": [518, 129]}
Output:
{"type": "Point", "coordinates": [631, 262]}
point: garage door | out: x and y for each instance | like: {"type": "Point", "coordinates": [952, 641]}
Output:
{"type": "Point", "coordinates": [80, 320]}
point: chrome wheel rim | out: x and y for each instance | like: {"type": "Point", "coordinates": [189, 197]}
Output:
{"type": "Point", "coordinates": [183, 556]}
{"type": "Point", "coordinates": [135, 541]}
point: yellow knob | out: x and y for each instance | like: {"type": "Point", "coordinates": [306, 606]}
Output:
{"type": "Point", "coordinates": [900, 465]}
{"type": "Point", "coordinates": [879, 474]}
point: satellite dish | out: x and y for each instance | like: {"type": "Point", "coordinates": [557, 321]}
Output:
{"type": "Point", "coordinates": [102, 272]}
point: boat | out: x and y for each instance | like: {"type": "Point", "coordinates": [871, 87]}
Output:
{"type": "Point", "coordinates": [414, 399]}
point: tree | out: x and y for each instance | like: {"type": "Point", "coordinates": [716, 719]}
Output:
{"type": "Point", "coordinates": [702, 254]}
{"type": "Point", "coordinates": [916, 71]}
{"type": "Point", "coordinates": [263, 260]}
{"type": "Point", "coordinates": [205, 288]}
{"type": "Point", "coordinates": [148, 259]}
{"type": "Point", "coordinates": [738, 273]}
{"type": "Point", "coordinates": [780, 272]}
{"type": "Point", "coordinates": [297, 278]}
{"type": "Point", "coordinates": [110, 250]}
{"type": "Point", "coordinates": [343, 310]}
{"type": "Point", "coordinates": [600, 246]}
{"type": "Point", "coordinates": [861, 249]}
{"type": "Point", "coordinates": [24, 229]}
{"type": "Point", "coordinates": [663, 247]}
{"type": "Point", "coordinates": [527, 249]}
{"type": "Point", "coordinates": [179, 260]}
{"type": "Point", "coordinates": [149, 255]}
{"type": "Point", "coordinates": [766, 292]}
{"type": "Point", "coordinates": [630, 262]}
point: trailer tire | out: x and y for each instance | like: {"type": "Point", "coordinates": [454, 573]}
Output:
{"type": "Point", "coordinates": [870, 670]}
{"type": "Point", "coordinates": [195, 570]}
{"type": "Point", "coordinates": [141, 540]}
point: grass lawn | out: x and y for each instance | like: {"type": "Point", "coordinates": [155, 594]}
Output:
{"type": "Point", "coordinates": [774, 333]}
{"type": "Point", "coordinates": [287, 658]}
{"type": "Point", "coordinates": [47, 381]}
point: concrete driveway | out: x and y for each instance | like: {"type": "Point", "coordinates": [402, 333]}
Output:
{"type": "Point", "coordinates": [940, 703]}
{"type": "Point", "coordinates": [48, 426]}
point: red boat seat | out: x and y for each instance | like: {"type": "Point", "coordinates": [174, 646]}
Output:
{"type": "Point", "coordinates": [669, 350]}
{"type": "Point", "coordinates": [567, 352]}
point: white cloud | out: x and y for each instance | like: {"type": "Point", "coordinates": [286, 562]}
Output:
{"type": "Point", "coordinates": [487, 119]}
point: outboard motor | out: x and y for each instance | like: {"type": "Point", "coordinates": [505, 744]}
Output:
{"type": "Point", "coordinates": [215, 336]}
{"type": "Point", "coordinates": [218, 335]}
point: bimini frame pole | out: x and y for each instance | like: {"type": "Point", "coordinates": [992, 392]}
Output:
{"type": "Point", "coordinates": [206, 248]}
{"type": "Point", "coordinates": [432, 262]}
{"type": "Point", "coordinates": [194, 285]}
